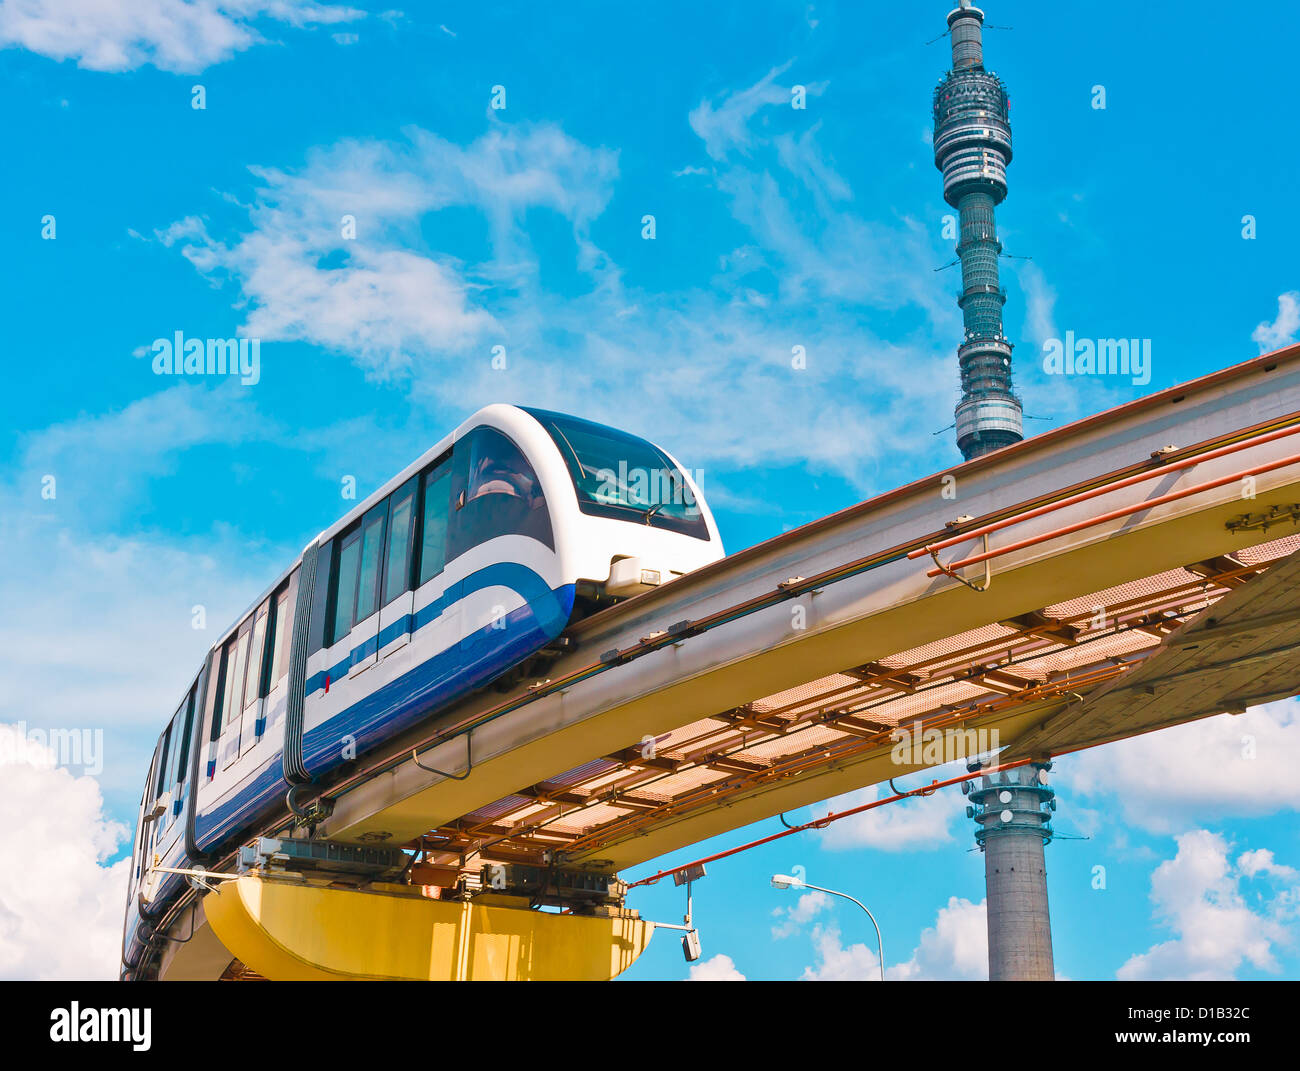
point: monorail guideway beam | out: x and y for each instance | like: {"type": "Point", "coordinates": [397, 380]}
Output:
{"type": "Point", "coordinates": [1116, 498]}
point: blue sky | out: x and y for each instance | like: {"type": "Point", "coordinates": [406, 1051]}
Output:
{"type": "Point", "coordinates": [522, 227]}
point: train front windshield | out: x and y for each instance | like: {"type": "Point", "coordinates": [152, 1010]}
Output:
{"type": "Point", "coordinates": [622, 477]}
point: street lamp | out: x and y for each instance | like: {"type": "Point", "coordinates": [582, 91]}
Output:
{"type": "Point", "coordinates": [785, 881]}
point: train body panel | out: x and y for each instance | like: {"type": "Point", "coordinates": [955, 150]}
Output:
{"type": "Point", "coordinates": [464, 567]}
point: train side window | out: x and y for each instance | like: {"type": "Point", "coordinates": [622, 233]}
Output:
{"type": "Point", "coordinates": [213, 693]}
{"type": "Point", "coordinates": [319, 619]}
{"type": "Point", "coordinates": [170, 763]}
{"type": "Point", "coordinates": [161, 785]}
{"type": "Point", "coordinates": [401, 527]}
{"type": "Point", "coordinates": [433, 541]}
{"type": "Point", "coordinates": [372, 550]}
{"type": "Point", "coordinates": [256, 659]}
{"type": "Point", "coordinates": [182, 746]}
{"type": "Point", "coordinates": [223, 698]}
{"type": "Point", "coordinates": [281, 630]}
{"type": "Point", "coordinates": [236, 663]}
{"type": "Point", "coordinates": [497, 493]}
{"type": "Point", "coordinates": [345, 585]}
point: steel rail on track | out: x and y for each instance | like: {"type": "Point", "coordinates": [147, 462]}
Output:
{"type": "Point", "coordinates": [1126, 511]}
{"type": "Point", "coordinates": [1159, 470]}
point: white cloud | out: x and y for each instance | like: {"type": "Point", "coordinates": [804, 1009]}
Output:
{"type": "Point", "coordinates": [381, 305]}
{"type": "Point", "coordinates": [837, 963]}
{"type": "Point", "coordinates": [120, 652]}
{"type": "Point", "coordinates": [806, 908]}
{"type": "Point", "coordinates": [61, 909]}
{"type": "Point", "coordinates": [920, 823]}
{"type": "Point", "coordinates": [724, 126]}
{"type": "Point", "coordinates": [1163, 782]}
{"type": "Point", "coordinates": [173, 35]}
{"type": "Point", "coordinates": [1197, 895]}
{"type": "Point", "coordinates": [1040, 314]}
{"type": "Point", "coordinates": [956, 947]}
{"type": "Point", "coordinates": [399, 312]}
{"type": "Point", "coordinates": [102, 462]}
{"type": "Point", "coordinates": [1260, 861]}
{"type": "Point", "coordinates": [802, 218]}
{"type": "Point", "coordinates": [106, 637]}
{"type": "Point", "coordinates": [719, 968]}
{"type": "Point", "coordinates": [426, 320]}
{"type": "Point", "coordinates": [1282, 331]}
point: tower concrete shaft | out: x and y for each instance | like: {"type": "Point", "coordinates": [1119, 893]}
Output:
{"type": "Point", "coordinates": [972, 147]}
{"type": "Point", "coordinates": [1012, 810]}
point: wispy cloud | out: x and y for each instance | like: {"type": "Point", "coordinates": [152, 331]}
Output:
{"type": "Point", "coordinates": [329, 258]}
{"type": "Point", "coordinates": [108, 624]}
{"type": "Point", "coordinates": [1040, 315]}
{"type": "Point", "coordinates": [805, 909]}
{"type": "Point", "coordinates": [173, 35]}
{"type": "Point", "coordinates": [724, 124]}
{"type": "Point", "coordinates": [418, 313]}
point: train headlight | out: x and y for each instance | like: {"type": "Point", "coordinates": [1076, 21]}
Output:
{"type": "Point", "coordinates": [627, 577]}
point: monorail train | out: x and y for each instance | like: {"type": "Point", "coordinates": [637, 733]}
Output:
{"type": "Point", "coordinates": [463, 570]}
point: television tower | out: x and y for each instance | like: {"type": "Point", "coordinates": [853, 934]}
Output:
{"type": "Point", "coordinates": [972, 147]}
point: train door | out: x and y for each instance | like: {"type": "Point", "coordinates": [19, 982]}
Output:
{"type": "Point", "coordinates": [180, 774]}
{"type": "Point", "coordinates": [174, 774]}
{"type": "Point", "coordinates": [154, 814]}
{"type": "Point", "coordinates": [397, 603]}
{"type": "Point", "coordinates": [342, 601]}
{"type": "Point", "coordinates": [140, 847]}
{"type": "Point", "coordinates": [365, 630]}
{"type": "Point", "coordinates": [210, 717]}
{"type": "Point", "coordinates": [436, 601]}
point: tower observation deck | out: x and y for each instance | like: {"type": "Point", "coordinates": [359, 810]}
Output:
{"type": "Point", "coordinates": [972, 147]}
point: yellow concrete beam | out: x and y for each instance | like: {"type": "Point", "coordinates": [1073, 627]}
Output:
{"type": "Point", "coordinates": [292, 931]}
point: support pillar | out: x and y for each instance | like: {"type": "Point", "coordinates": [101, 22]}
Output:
{"type": "Point", "coordinates": [1012, 810]}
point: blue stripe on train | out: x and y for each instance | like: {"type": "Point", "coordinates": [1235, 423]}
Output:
{"type": "Point", "coordinates": [439, 680]}
{"type": "Point", "coordinates": [512, 575]}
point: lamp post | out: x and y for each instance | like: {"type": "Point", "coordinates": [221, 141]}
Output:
{"type": "Point", "coordinates": [785, 881]}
